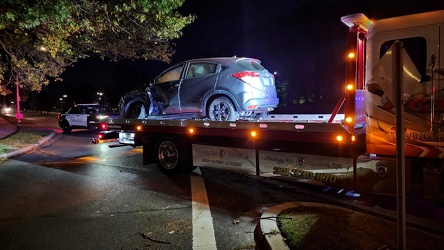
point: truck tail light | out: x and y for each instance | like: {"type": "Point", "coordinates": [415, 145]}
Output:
{"type": "Point", "coordinates": [103, 126]}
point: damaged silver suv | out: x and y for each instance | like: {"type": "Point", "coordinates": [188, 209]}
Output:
{"type": "Point", "coordinates": [217, 89]}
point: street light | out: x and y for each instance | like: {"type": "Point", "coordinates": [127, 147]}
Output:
{"type": "Point", "coordinates": [63, 100]}
{"type": "Point", "coordinates": [100, 94]}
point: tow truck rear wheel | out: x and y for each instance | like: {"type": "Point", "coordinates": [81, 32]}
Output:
{"type": "Point", "coordinates": [173, 155]}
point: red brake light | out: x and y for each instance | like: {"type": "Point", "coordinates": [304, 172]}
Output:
{"type": "Point", "coordinates": [104, 126]}
{"type": "Point", "coordinates": [246, 76]}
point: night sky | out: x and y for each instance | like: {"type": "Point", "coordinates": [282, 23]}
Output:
{"type": "Point", "coordinates": [304, 41]}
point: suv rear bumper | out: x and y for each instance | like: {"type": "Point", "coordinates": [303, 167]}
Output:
{"type": "Point", "coordinates": [261, 104]}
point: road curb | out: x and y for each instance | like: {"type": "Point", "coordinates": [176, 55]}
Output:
{"type": "Point", "coordinates": [28, 148]}
{"type": "Point", "coordinates": [269, 234]}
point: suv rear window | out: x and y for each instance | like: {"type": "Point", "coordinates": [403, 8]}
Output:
{"type": "Point", "coordinates": [250, 65]}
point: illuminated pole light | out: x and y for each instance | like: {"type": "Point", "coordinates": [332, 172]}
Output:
{"type": "Point", "coordinates": [100, 94]}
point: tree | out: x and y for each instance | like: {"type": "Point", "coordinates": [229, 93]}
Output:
{"type": "Point", "coordinates": [40, 39]}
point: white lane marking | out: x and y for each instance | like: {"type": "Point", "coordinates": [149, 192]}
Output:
{"type": "Point", "coordinates": [203, 229]}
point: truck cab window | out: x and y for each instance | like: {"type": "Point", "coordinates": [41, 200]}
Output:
{"type": "Point", "coordinates": [416, 47]}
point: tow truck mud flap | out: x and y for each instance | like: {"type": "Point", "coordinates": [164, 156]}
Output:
{"type": "Point", "coordinates": [377, 175]}
{"type": "Point", "coordinates": [433, 180]}
{"type": "Point", "coordinates": [325, 170]}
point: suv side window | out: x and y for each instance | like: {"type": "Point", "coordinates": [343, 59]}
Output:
{"type": "Point", "coordinates": [82, 110]}
{"type": "Point", "coordinates": [74, 110]}
{"type": "Point", "coordinates": [90, 109]}
{"type": "Point", "coordinates": [201, 69]}
{"type": "Point", "coordinates": [171, 75]}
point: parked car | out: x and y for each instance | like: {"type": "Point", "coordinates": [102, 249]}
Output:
{"type": "Point", "coordinates": [84, 116]}
{"type": "Point", "coordinates": [218, 89]}
{"type": "Point", "coordinates": [6, 109]}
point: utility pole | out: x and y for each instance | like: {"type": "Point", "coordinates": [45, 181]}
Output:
{"type": "Point", "coordinates": [18, 115]}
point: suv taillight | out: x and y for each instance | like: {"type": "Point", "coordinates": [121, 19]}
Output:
{"type": "Point", "coordinates": [246, 76]}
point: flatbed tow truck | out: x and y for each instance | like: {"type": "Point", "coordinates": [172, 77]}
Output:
{"type": "Point", "coordinates": [389, 61]}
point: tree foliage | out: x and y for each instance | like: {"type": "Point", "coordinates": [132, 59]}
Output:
{"type": "Point", "coordinates": [40, 38]}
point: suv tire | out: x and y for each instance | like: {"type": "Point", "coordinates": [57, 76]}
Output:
{"type": "Point", "coordinates": [64, 124]}
{"type": "Point", "coordinates": [222, 109]}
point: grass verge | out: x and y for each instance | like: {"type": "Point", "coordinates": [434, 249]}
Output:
{"type": "Point", "coordinates": [330, 227]}
{"type": "Point", "coordinates": [21, 139]}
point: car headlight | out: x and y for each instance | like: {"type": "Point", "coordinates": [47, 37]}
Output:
{"type": "Point", "coordinates": [102, 117]}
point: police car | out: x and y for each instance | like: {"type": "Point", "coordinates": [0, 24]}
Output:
{"type": "Point", "coordinates": [84, 116]}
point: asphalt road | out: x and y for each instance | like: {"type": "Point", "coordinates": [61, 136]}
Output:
{"type": "Point", "coordinates": [72, 194]}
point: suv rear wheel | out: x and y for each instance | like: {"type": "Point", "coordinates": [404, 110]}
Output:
{"type": "Point", "coordinates": [222, 109]}
{"type": "Point", "coordinates": [64, 124]}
